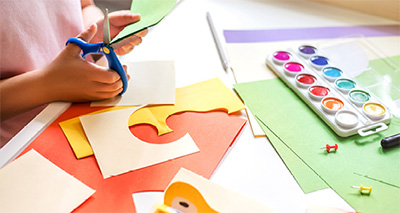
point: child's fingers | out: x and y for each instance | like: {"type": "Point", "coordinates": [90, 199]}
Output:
{"type": "Point", "coordinates": [122, 18]}
{"type": "Point", "coordinates": [106, 77]}
{"type": "Point", "coordinates": [126, 72]}
{"type": "Point", "coordinates": [112, 87]}
{"type": "Point", "coordinates": [107, 95]}
{"type": "Point", "coordinates": [85, 35]}
{"type": "Point", "coordinates": [89, 33]}
{"type": "Point", "coordinates": [134, 41]}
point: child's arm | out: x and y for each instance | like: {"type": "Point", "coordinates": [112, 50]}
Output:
{"type": "Point", "coordinates": [66, 78]}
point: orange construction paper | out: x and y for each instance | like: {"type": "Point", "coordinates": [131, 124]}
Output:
{"type": "Point", "coordinates": [200, 97]}
{"type": "Point", "coordinates": [213, 133]}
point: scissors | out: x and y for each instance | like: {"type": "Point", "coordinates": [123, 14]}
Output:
{"type": "Point", "coordinates": [103, 48]}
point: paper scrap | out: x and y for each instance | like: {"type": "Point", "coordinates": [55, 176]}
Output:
{"type": "Point", "coordinates": [118, 151]}
{"type": "Point", "coordinates": [152, 82]}
{"type": "Point", "coordinates": [200, 97]}
{"type": "Point", "coordinates": [32, 183]}
{"type": "Point", "coordinates": [206, 196]}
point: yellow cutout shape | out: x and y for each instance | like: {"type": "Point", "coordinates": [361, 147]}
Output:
{"type": "Point", "coordinates": [184, 198]}
{"type": "Point", "coordinates": [200, 97]}
{"type": "Point", "coordinates": [118, 151]}
{"type": "Point", "coordinates": [194, 190]}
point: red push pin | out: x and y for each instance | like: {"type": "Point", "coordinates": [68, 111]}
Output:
{"type": "Point", "coordinates": [328, 148]}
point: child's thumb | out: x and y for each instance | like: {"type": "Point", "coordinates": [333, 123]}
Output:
{"type": "Point", "coordinates": [89, 33]}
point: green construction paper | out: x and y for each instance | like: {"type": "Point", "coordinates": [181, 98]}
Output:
{"type": "Point", "coordinates": [252, 95]}
{"type": "Point", "coordinates": [151, 12]}
{"type": "Point", "coordinates": [307, 179]}
{"type": "Point", "coordinates": [357, 161]}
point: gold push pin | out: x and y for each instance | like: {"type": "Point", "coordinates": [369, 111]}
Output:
{"type": "Point", "coordinates": [363, 189]}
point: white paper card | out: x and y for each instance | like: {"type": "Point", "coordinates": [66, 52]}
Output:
{"type": "Point", "coordinates": [152, 82]}
{"type": "Point", "coordinates": [32, 183]}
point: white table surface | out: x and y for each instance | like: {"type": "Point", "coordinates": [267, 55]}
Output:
{"type": "Point", "coordinates": [252, 166]}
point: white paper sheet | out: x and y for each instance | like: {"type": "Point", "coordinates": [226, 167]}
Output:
{"type": "Point", "coordinates": [152, 82]}
{"type": "Point", "coordinates": [32, 183]}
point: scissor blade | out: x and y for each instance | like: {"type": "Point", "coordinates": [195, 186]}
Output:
{"type": "Point", "coordinates": [106, 28]}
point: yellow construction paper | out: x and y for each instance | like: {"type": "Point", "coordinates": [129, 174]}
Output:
{"type": "Point", "coordinates": [118, 151]}
{"type": "Point", "coordinates": [76, 137]}
{"type": "Point", "coordinates": [32, 183]}
{"type": "Point", "coordinates": [200, 97]}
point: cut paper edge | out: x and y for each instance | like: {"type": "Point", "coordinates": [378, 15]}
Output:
{"type": "Point", "coordinates": [81, 146]}
{"type": "Point", "coordinates": [26, 171]}
{"type": "Point", "coordinates": [118, 151]}
{"type": "Point", "coordinates": [305, 188]}
{"type": "Point", "coordinates": [207, 132]}
{"type": "Point", "coordinates": [211, 193]}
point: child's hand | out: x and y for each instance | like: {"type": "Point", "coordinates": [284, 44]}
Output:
{"type": "Point", "coordinates": [118, 20]}
{"type": "Point", "coordinates": [71, 78]}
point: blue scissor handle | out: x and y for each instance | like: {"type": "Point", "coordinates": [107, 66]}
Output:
{"type": "Point", "coordinates": [101, 48]}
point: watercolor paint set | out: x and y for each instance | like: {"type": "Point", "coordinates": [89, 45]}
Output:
{"type": "Point", "coordinates": [343, 104]}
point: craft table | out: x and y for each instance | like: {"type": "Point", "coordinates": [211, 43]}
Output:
{"type": "Point", "coordinates": [252, 166]}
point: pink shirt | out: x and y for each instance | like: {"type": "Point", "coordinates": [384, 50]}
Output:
{"type": "Point", "coordinates": [32, 35]}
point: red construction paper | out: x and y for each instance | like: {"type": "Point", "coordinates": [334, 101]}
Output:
{"type": "Point", "coordinates": [213, 133]}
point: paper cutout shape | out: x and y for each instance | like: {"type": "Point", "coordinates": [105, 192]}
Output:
{"type": "Point", "coordinates": [213, 132]}
{"type": "Point", "coordinates": [117, 151]}
{"type": "Point", "coordinates": [33, 183]}
{"type": "Point", "coordinates": [151, 13]}
{"type": "Point", "coordinates": [183, 197]}
{"type": "Point", "coordinates": [153, 82]}
{"type": "Point", "coordinates": [194, 190]}
{"type": "Point", "coordinates": [200, 97]}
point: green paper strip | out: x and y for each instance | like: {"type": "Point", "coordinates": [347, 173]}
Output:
{"type": "Point", "coordinates": [151, 12]}
{"type": "Point", "coordinates": [253, 96]}
{"type": "Point", "coordinates": [307, 179]}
